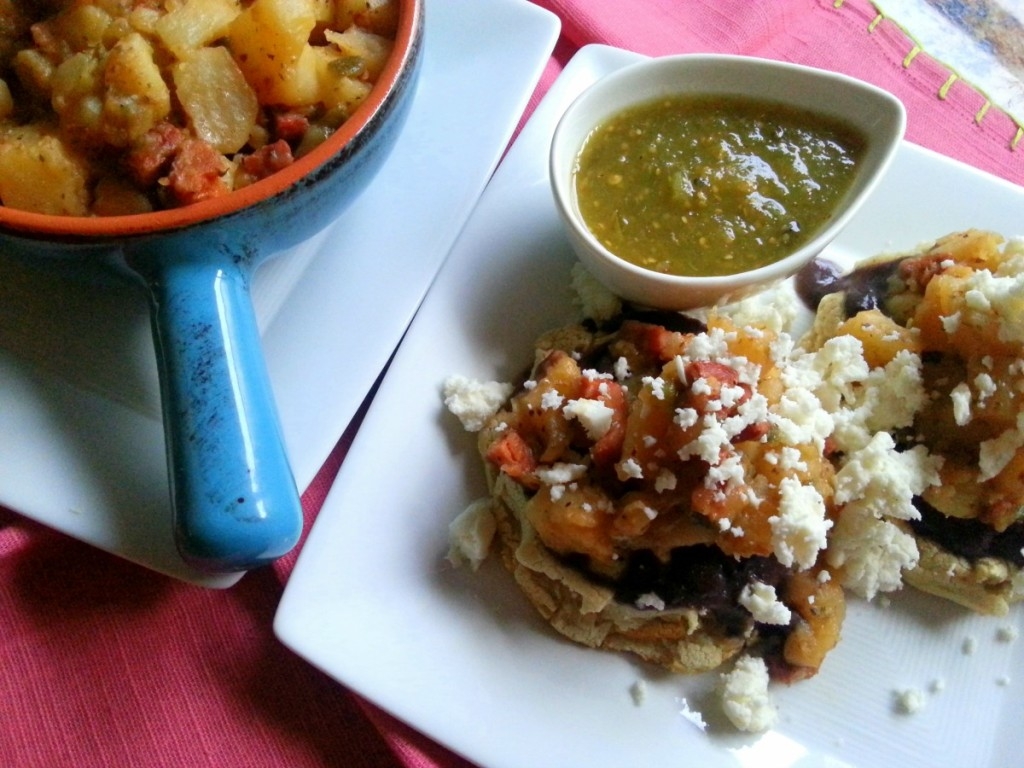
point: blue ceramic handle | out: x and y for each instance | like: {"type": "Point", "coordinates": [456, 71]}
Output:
{"type": "Point", "coordinates": [235, 502]}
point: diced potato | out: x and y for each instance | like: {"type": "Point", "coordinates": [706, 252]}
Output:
{"type": "Point", "coordinates": [143, 20]}
{"type": "Point", "coordinates": [377, 16]}
{"type": "Point", "coordinates": [195, 24]}
{"type": "Point", "coordinates": [371, 48]}
{"type": "Point", "coordinates": [976, 248]}
{"type": "Point", "coordinates": [75, 94]}
{"type": "Point", "coordinates": [882, 337]}
{"type": "Point", "coordinates": [83, 27]}
{"type": "Point", "coordinates": [120, 28]}
{"type": "Point", "coordinates": [34, 72]}
{"type": "Point", "coordinates": [38, 173]}
{"type": "Point", "coordinates": [220, 104]}
{"type": "Point", "coordinates": [136, 98]}
{"type": "Point", "coordinates": [268, 38]}
{"type": "Point", "coordinates": [300, 84]}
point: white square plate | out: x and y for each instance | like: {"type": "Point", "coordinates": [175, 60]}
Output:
{"type": "Point", "coordinates": [81, 438]}
{"type": "Point", "coordinates": [464, 658]}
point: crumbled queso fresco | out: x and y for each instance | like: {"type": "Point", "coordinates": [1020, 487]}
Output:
{"type": "Point", "coordinates": [745, 698]}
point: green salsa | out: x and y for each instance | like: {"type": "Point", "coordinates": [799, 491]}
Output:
{"type": "Point", "coordinates": [713, 185]}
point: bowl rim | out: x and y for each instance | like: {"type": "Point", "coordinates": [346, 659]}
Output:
{"type": "Point", "coordinates": [883, 143]}
{"type": "Point", "coordinates": [407, 40]}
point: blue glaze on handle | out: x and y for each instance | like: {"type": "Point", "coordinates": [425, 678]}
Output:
{"type": "Point", "coordinates": [234, 498]}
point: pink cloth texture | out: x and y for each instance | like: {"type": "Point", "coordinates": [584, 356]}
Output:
{"type": "Point", "coordinates": [103, 663]}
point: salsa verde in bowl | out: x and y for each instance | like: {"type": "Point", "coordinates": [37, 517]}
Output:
{"type": "Point", "coordinates": [686, 180]}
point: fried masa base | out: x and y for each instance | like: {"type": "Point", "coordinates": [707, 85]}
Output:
{"type": "Point", "coordinates": [587, 612]}
{"type": "Point", "coordinates": [987, 585]}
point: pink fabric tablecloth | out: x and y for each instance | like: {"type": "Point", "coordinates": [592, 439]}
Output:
{"type": "Point", "coordinates": [105, 664]}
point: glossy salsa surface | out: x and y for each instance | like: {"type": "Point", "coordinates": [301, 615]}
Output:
{"type": "Point", "coordinates": [713, 185]}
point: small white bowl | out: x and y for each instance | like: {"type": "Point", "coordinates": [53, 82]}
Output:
{"type": "Point", "coordinates": [876, 114]}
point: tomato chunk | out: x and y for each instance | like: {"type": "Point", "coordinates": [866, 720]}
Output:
{"type": "Point", "coordinates": [511, 454]}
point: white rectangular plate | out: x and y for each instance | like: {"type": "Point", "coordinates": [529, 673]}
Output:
{"type": "Point", "coordinates": [81, 440]}
{"type": "Point", "coordinates": [463, 658]}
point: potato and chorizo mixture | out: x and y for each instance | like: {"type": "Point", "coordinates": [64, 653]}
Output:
{"type": "Point", "coordinates": [956, 307]}
{"type": "Point", "coordinates": [111, 107]}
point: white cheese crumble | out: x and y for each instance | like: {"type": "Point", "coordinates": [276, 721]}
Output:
{"type": "Point", "coordinates": [910, 701]}
{"type": "Point", "coordinates": [871, 554]}
{"type": "Point", "coordinates": [752, 411]}
{"type": "Point", "coordinates": [621, 369]}
{"type": "Point", "coordinates": [595, 300]}
{"type": "Point", "coordinates": [997, 297]}
{"type": "Point", "coordinates": [594, 415]}
{"type": "Point", "coordinates": [665, 481]}
{"type": "Point", "coordinates": [985, 385]}
{"type": "Point", "coordinates": [995, 454]}
{"type": "Point", "coordinates": [649, 600]}
{"type": "Point", "coordinates": [629, 469]}
{"type": "Point", "coordinates": [701, 386]}
{"type": "Point", "coordinates": [789, 458]}
{"type": "Point", "coordinates": [800, 529]}
{"type": "Point", "coordinates": [686, 417]}
{"type": "Point", "coordinates": [657, 385]}
{"type": "Point", "coordinates": [879, 480]}
{"type": "Point", "coordinates": [731, 395]}
{"type": "Point", "coordinates": [841, 365]}
{"type": "Point", "coordinates": [775, 310]}
{"type": "Point", "coordinates": [860, 400]}
{"type": "Point", "coordinates": [551, 400]}
{"type": "Point", "coordinates": [745, 698]}
{"type": "Point", "coordinates": [560, 473]}
{"type": "Point", "coordinates": [712, 345]}
{"type": "Point", "coordinates": [472, 401]}
{"type": "Point", "coordinates": [708, 444]}
{"type": "Point", "coordinates": [471, 533]}
{"type": "Point", "coordinates": [950, 323]}
{"type": "Point", "coordinates": [798, 418]}
{"type": "Point", "coordinates": [961, 397]}
{"type": "Point", "coordinates": [764, 605]}
{"type": "Point", "coordinates": [1006, 633]}
{"type": "Point", "coordinates": [728, 473]}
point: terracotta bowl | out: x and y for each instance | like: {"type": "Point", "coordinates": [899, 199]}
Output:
{"type": "Point", "coordinates": [233, 496]}
{"type": "Point", "coordinates": [877, 115]}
